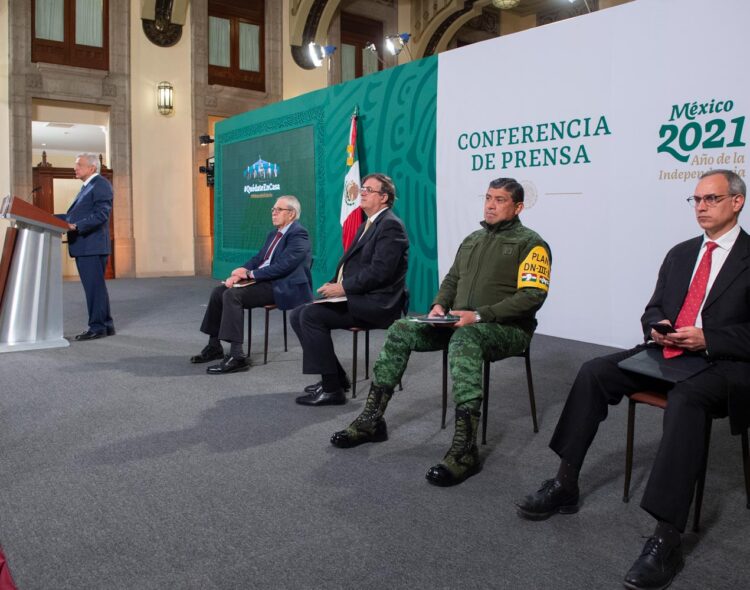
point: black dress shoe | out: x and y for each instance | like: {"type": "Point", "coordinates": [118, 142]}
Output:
{"type": "Point", "coordinates": [111, 331]}
{"type": "Point", "coordinates": [230, 364]}
{"type": "Point", "coordinates": [657, 566]}
{"type": "Point", "coordinates": [322, 398]}
{"type": "Point", "coordinates": [209, 353]}
{"type": "Point", "coordinates": [345, 382]}
{"type": "Point", "coordinates": [551, 498]}
{"type": "Point", "coordinates": [89, 335]}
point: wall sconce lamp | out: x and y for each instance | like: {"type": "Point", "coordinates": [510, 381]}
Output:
{"type": "Point", "coordinates": [205, 139]}
{"type": "Point", "coordinates": [319, 52]}
{"type": "Point", "coordinates": [165, 98]}
{"type": "Point", "coordinates": [396, 43]}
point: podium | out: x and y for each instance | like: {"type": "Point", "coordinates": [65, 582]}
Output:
{"type": "Point", "coordinates": [31, 314]}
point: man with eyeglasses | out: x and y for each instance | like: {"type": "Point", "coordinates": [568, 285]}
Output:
{"type": "Point", "coordinates": [498, 281]}
{"type": "Point", "coordinates": [699, 309]}
{"type": "Point", "coordinates": [279, 274]}
{"type": "Point", "coordinates": [368, 290]}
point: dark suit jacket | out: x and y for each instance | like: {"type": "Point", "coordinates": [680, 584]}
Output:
{"type": "Point", "coordinates": [725, 315]}
{"type": "Point", "coordinates": [375, 271]}
{"type": "Point", "coordinates": [289, 271]}
{"type": "Point", "coordinates": [90, 213]}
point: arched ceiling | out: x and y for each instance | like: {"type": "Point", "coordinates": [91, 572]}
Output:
{"type": "Point", "coordinates": [434, 22]}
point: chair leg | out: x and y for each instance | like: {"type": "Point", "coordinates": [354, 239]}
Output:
{"type": "Point", "coordinates": [249, 330]}
{"type": "Point", "coordinates": [286, 349]}
{"type": "Point", "coordinates": [746, 466]}
{"type": "Point", "coordinates": [530, 383]}
{"type": "Point", "coordinates": [445, 386]}
{"type": "Point", "coordinates": [701, 483]}
{"type": "Point", "coordinates": [354, 364]}
{"type": "Point", "coordinates": [629, 451]}
{"type": "Point", "coordinates": [367, 354]}
{"type": "Point", "coordinates": [485, 400]}
{"type": "Point", "coordinates": [265, 339]}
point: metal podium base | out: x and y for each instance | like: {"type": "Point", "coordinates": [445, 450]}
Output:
{"type": "Point", "coordinates": [39, 345]}
{"type": "Point", "coordinates": [31, 317]}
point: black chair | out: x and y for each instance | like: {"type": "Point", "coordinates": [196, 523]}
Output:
{"type": "Point", "coordinates": [355, 338]}
{"type": "Point", "coordinates": [659, 400]}
{"type": "Point", "coordinates": [355, 330]}
{"type": "Point", "coordinates": [268, 309]}
{"type": "Point", "coordinates": [486, 389]}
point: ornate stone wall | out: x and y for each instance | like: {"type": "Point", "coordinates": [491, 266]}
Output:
{"type": "Point", "coordinates": [29, 80]}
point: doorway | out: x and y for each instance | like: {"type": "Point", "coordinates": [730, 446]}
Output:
{"type": "Point", "coordinates": [61, 130]}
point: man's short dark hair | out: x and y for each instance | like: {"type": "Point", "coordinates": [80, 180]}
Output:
{"type": "Point", "coordinates": [386, 186]}
{"type": "Point", "coordinates": [511, 185]}
{"type": "Point", "coordinates": [736, 184]}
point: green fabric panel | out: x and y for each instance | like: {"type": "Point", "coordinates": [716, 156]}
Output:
{"type": "Point", "coordinates": [396, 135]}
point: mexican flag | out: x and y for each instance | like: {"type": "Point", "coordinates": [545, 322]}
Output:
{"type": "Point", "coordinates": [351, 214]}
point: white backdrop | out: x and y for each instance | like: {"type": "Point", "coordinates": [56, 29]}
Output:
{"type": "Point", "coordinates": [613, 208]}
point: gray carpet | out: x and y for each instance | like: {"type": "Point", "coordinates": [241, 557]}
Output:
{"type": "Point", "coordinates": [124, 466]}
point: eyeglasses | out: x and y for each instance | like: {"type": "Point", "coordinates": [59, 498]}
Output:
{"type": "Point", "coordinates": [368, 190]}
{"type": "Point", "coordinates": [277, 209]}
{"type": "Point", "coordinates": [709, 200]}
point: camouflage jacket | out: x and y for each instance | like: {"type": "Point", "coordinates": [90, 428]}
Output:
{"type": "Point", "coordinates": [500, 271]}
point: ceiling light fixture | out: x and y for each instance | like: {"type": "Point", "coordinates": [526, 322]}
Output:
{"type": "Point", "coordinates": [508, 4]}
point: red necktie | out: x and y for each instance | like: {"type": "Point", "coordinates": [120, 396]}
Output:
{"type": "Point", "coordinates": [697, 291]}
{"type": "Point", "coordinates": [276, 238]}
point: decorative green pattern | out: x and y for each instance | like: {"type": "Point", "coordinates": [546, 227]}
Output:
{"type": "Point", "coordinates": [396, 136]}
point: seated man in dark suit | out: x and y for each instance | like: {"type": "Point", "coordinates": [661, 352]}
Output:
{"type": "Point", "coordinates": [279, 274]}
{"type": "Point", "coordinates": [371, 275]}
{"type": "Point", "coordinates": [498, 281]}
{"type": "Point", "coordinates": [702, 291]}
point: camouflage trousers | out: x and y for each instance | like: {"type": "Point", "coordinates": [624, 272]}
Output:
{"type": "Point", "coordinates": [468, 348]}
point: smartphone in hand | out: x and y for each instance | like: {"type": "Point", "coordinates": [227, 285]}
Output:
{"type": "Point", "coordinates": [663, 329]}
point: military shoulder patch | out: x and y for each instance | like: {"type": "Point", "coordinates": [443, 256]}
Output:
{"type": "Point", "coordinates": [535, 269]}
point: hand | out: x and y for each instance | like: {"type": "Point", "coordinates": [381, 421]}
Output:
{"type": "Point", "coordinates": [689, 338]}
{"type": "Point", "coordinates": [659, 338]}
{"type": "Point", "coordinates": [437, 311]}
{"type": "Point", "coordinates": [240, 273]}
{"type": "Point", "coordinates": [231, 280]}
{"type": "Point", "coordinates": [329, 290]}
{"type": "Point", "coordinates": [72, 227]}
{"type": "Point", "coordinates": [467, 318]}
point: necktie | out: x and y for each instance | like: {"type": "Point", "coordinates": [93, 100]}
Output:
{"type": "Point", "coordinates": [340, 277]}
{"type": "Point", "coordinates": [695, 295]}
{"type": "Point", "coordinates": [275, 241]}
{"type": "Point", "coordinates": [367, 226]}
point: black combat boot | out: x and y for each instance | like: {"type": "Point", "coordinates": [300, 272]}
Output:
{"type": "Point", "coordinates": [369, 426]}
{"type": "Point", "coordinates": [462, 459]}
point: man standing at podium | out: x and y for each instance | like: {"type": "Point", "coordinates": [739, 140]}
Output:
{"type": "Point", "coordinates": [89, 242]}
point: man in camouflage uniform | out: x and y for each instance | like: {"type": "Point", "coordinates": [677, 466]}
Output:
{"type": "Point", "coordinates": [498, 281]}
